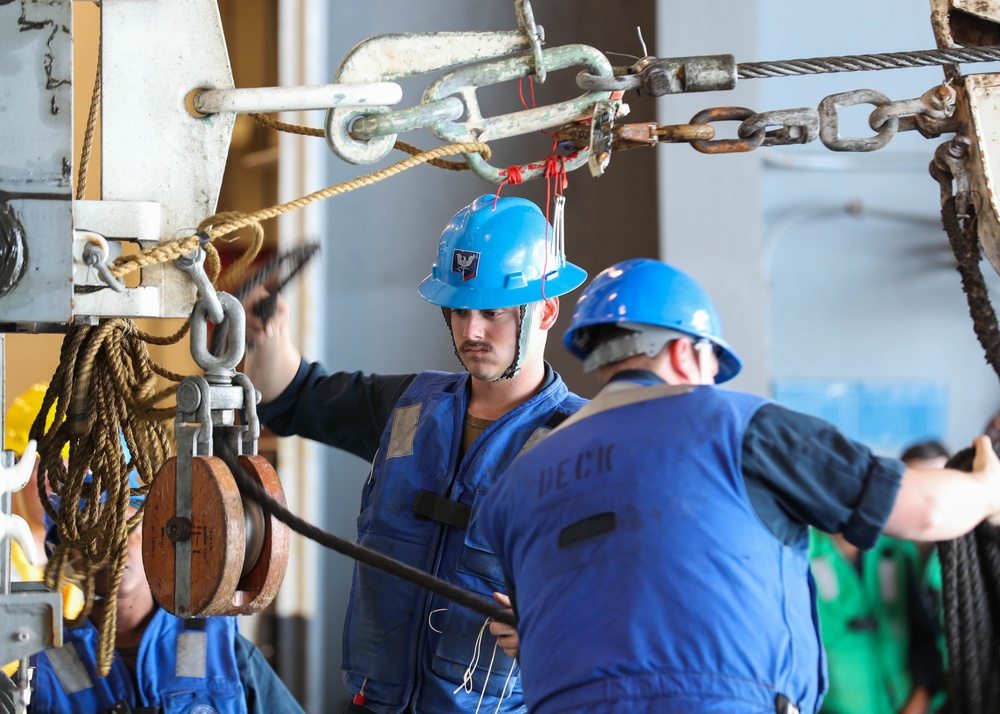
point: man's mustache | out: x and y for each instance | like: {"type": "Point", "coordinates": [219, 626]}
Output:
{"type": "Point", "coordinates": [474, 345]}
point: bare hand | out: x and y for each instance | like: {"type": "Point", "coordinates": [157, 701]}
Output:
{"type": "Point", "coordinates": [987, 465]}
{"type": "Point", "coordinates": [260, 331]}
{"type": "Point", "coordinates": [505, 634]}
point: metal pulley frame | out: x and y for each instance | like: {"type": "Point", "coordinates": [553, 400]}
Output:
{"type": "Point", "coordinates": [206, 549]}
{"type": "Point", "coordinates": [974, 24]}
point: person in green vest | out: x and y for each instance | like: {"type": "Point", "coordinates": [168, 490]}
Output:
{"type": "Point", "coordinates": [873, 628]}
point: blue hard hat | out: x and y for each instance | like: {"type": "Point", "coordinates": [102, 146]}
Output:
{"type": "Point", "coordinates": [648, 292]}
{"type": "Point", "coordinates": [135, 499]}
{"type": "Point", "coordinates": [490, 258]}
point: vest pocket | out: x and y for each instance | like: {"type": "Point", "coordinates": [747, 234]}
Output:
{"type": "Point", "coordinates": [459, 644]}
{"type": "Point", "coordinates": [380, 615]}
{"type": "Point", "coordinates": [478, 559]}
{"type": "Point", "coordinates": [213, 701]}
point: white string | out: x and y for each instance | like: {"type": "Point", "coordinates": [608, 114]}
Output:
{"type": "Point", "coordinates": [467, 683]}
{"type": "Point", "coordinates": [371, 473]}
{"type": "Point", "coordinates": [503, 694]}
{"type": "Point", "coordinates": [467, 679]}
{"type": "Point", "coordinates": [430, 615]}
{"type": "Point", "coordinates": [559, 228]}
{"type": "Point", "coordinates": [642, 42]}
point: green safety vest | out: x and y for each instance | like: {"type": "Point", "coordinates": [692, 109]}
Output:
{"type": "Point", "coordinates": [865, 626]}
{"type": "Point", "coordinates": [932, 582]}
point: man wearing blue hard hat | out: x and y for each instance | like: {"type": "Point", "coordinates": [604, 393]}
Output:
{"type": "Point", "coordinates": [657, 541]}
{"type": "Point", "coordinates": [438, 441]}
{"type": "Point", "coordinates": [161, 663]}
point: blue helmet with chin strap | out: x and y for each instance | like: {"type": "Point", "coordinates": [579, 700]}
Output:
{"type": "Point", "coordinates": [498, 253]}
{"type": "Point", "coordinates": [495, 257]}
{"type": "Point", "coordinates": [657, 303]}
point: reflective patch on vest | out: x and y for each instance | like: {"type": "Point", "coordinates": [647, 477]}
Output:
{"type": "Point", "coordinates": [69, 669]}
{"type": "Point", "coordinates": [888, 579]}
{"type": "Point", "coordinates": [404, 431]}
{"type": "Point", "coordinates": [192, 654]}
{"type": "Point", "coordinates": [540, 433]}
{"type": "Point", "coordinates": [827, 586]}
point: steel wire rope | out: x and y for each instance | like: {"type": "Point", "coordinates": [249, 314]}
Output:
{"type": "Point", "coordinates": [867, 63]}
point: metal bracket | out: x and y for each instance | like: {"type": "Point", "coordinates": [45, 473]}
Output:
{"type": "Point", "coordinates": [206, 409]}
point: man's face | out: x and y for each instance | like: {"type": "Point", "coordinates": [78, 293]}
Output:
{"type": "Point", "coordinates": [486, 340]}
{"type": "Point", "coordinates": [134, 577]}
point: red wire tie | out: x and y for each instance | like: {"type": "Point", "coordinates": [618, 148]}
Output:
{"type": "Point", "coordinates": [514, 177]}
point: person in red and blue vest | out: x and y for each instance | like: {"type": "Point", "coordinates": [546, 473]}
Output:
{"type": "Point", "coordinates": [438, 442]}
{"type": "Point", "coordinates": [656, 542]}
{"type": "Point", "coordinates": [162, 664]}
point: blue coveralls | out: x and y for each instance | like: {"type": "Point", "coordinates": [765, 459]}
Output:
{"type": "Point", "coordinates": [183, 667]}
{"type": "Point", "coordinates": [644, 579]}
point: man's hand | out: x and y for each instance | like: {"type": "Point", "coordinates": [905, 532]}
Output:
{"type": "Point", "coordinates": [260, 331]}
{"type": "Point", "coordinates": [505, 634]}
{"type": "Point", "coordinates": [987, 465]}
{"type": "Point", "coordinates": [271, 358]}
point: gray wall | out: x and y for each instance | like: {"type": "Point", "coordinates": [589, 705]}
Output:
{"type": "Point", "coordinates": [807, 290]}
{"type": "Point", "coordinates": [871, 296]}
{"type": "Point", "coordinates": [380, 241]}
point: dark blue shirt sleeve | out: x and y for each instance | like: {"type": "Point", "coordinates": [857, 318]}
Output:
{"type": "Point", "coordinates": [802, 471]}
{"type": "Point", "coordinates": [265, 692]}
{"type": "Point", "coordinates": [346, 410]}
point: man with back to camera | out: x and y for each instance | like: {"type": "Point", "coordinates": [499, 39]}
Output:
{"type": "Point", "coordinates": [656, 543]}
{"type": "Point", "coordinates": [437, 441]}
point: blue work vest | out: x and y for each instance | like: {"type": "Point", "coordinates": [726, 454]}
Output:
{"type": "Point", "coordinates": [644, 579]}
{"type": "Point", "coordinates": [406, 648]}
{"type": "Point", "coordinates": [183, 667]}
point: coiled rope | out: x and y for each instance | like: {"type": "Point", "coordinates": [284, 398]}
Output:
{"type": "Point", "coordinates": [970, 569]}
{"type": "Point", "coordinates": [970, 565]}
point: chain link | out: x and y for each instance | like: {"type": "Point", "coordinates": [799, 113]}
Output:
{"type": "Point", "coordinates": [931, 114]}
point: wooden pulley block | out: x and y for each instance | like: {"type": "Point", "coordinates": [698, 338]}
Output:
{"type": "Point", "coordinates": [267, 541]}
{"type": "Point", "coordinates": [216, 532]}
{"type": "Point", "coordinates": [239, 554]}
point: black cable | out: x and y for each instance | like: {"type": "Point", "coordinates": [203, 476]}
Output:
{"type": "Point", "coordinates": [250, 488]}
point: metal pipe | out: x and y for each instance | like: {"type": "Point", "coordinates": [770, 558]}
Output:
{"type": "Point", "coordinates": [265, 100]}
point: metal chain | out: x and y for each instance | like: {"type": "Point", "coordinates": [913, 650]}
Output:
{"type": "Point", "coordinates": [931, 114]}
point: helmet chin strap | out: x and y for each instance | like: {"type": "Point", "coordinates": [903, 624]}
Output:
{"type": "Point", "coordinates": [704, 348]}
{"type": "Point", "coordinates": [526, 319]}
{"type": "Point", "coordinates": [524, 323]}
